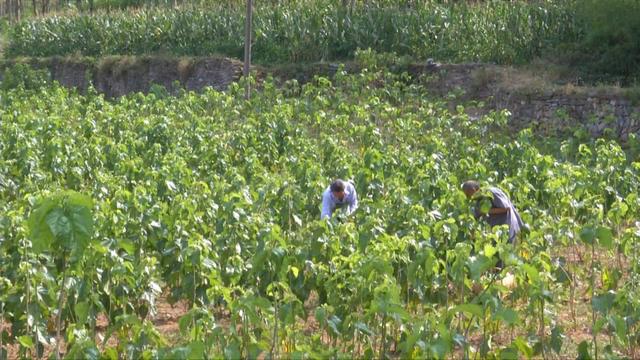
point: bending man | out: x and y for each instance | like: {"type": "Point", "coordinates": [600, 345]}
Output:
{"type": "Point", "coordinates": [502, 211]}
{"type": "Point", "coordinates": [338, 195]}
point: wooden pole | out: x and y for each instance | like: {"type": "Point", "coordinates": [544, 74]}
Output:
{"type": "Point", "coordinates": [247, 48]}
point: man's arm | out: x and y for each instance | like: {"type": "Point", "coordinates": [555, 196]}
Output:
{"type": "Point", "coordinates": [498, 211]}
{"type": "Point", "coordinates": [327, 208]}
{"type": "Point", "coordinates": [500, 204]}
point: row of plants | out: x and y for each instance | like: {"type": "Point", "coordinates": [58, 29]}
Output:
{"type": "Point", "coordinates": [213, 200]}
{"type": "Point", "coordinates": [502, 32]}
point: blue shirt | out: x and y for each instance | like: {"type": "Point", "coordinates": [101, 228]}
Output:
{"type": "Point", "coordinates": [330, 202]}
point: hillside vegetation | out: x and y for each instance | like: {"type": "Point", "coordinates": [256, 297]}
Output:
{"type": "Point", "coordinates": [590, 35]}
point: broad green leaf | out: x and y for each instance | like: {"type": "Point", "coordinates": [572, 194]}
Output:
{"type": "Point", "coordinates": [177, 353]}
{"type": "Point", "coordinates": [398, 311]}
{"type": "Point", "coordinates": [532, 272]}
{"type": "Point", "coordinates": [59, 224]}
{"type": "Point", "coordinates": [410, 341]}
{"type": "Point", "coordinates": [557, 338]}
{"type": "Point", "coordinates": [25, 341]}
{"type": "Point", "coordinates": [619, 325]}
{"type": "Point", "coordinates": [509, 316]}
{"type": "Point", "coordinates": [484, 205]}
{"type": "Point", "coordinates": [478, 265]}
{"type": "Point", "coordinates": [110, 353]}
{"type": "Point", "coordinates": [127, 246]}
{"type": "Point", "coordinates": [232, 351]}
{"type": "Point", "coordinates": [41, 236]}
{"type": "Point", "coordinates": [196, 350]}
{"type": "Point", "coordinates": [562, 274]}
{"type": "Point", "coordinates": [470, 309]}
{"type": "Point", "coordinates": [294, 271]}
{"type": "Point", "coordinates": [185, 322]}
{"type": "Point", "coordinates": [261, 303]}
{"type": "Point", "coordinates": [600, 323]}
{"type": "Point", "coordinates": [334, 323]}
{"type": "Point", "coordinates": [321, 315]}
{"type": "Point", "coordinates": [88, 351]}
{"type": "Point", "coordinates": [440, 347]}
{"type": "Point", "coordinates": [299, 355]}
{"type": "Point", "coordinates": [62, 222]}
{"type": "Point", "coordinates": [603, 303]}
{"type": "Point", "coordinates": [509, 353]}
{"type": "Point", "coordinates": [523, 347]}
{"type": "Point", "coordinates": [605, 237]}
{"type": "Point", "coordinates": [489, 250]}
{"type": "Point", "coordinates": [82, 311]}
{"type": "Point", "coordinates": [588, 234]}
{"type": "Point", "coordinates": [583, 351]}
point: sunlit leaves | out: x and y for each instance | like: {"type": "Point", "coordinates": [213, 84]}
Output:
{"type": "Point", "coordinates": [62, 222]}
{"type": "Point", "coordinates": [309, 32]}
{"type": "Point", "coordinates": [212, 201]}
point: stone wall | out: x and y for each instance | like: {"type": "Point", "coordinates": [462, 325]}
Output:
{"type": "Point", "coordinates": [550, 108]}
{"type": "Point", "coordinates": [117, 76]}
{"type": "Point", "coordinates": [597, 114]}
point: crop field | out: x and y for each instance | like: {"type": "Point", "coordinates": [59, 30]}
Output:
{"type": "Point", "coordinates": [110, 209]}
{"type": "Point", "coordinates": [306, 31]}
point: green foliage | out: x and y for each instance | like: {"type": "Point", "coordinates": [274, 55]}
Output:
{"type": "Point", "coordinates": [214, 201]}
{"type": "Point", "coordinates": [303, 31]}
{"type": "Point", "coordinates": [599, 38]}
{"type": "Point", "coordinates": [62, 223]}
{"type": "Point", "coordinates": [483, 201]}
{"type": "Point", "coordinates": [24, 76]}
{"type": "Point", "coordinates": [609, 48]}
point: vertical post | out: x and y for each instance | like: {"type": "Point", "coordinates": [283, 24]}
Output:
{"type": "Point", "coordinates": [247, 48]}
{"type": "Point", "coordinates": [18, 10]}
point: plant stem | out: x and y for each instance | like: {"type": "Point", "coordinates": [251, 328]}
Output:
{"type": "Point", "coordinates": [383, 345]}
{"type": "Point", "coordinates": [593, 294]}
{"type": "Point", "coordinates": [193, 304]}
{"type": "Point", "coordinates": [93, 318]}
{"type": "Point", "coordinates": [466, 337]}
{"type": "Point", "coordinates": [542, 332]}
{"type": "Point", "coordinates": [572, 295]}
{"type": "Point", "coordinates": [484, 337]}
{"type": "Point", "coordinates": [245, 334]}
{"type": "Point", "coordinates": [60, 306]}
{"type": "Point", "coordinates": [28, 296]}
{"type": "Point", "coordinates": [1, 327]}
{"type": "Point", "coordinates": [275, 332]}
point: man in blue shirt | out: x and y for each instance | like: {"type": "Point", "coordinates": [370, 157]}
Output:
{"type": "Point", "coordinates": [338, 195]}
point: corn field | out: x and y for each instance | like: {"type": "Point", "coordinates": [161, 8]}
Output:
{"type": "Point", "coordinates": [500, 32]}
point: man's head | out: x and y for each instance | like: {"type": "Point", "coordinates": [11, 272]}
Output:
{"type": "Point", "coordinates": [337, 188]}
{"type": "Point", "coordinates": [470, 187]}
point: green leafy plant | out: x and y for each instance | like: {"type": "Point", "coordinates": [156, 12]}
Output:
{"type": "Point", "coordinates": [62, 224]}
{"type": "Point", "coordinates": [24, 76]}
{"type": "Point", "coordinates": [211, 203]}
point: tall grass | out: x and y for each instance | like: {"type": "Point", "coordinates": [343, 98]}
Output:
{"type": "Point", "coordinates": [303, 31]}
{"type": "Point", "coordinates": [610, 47]}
